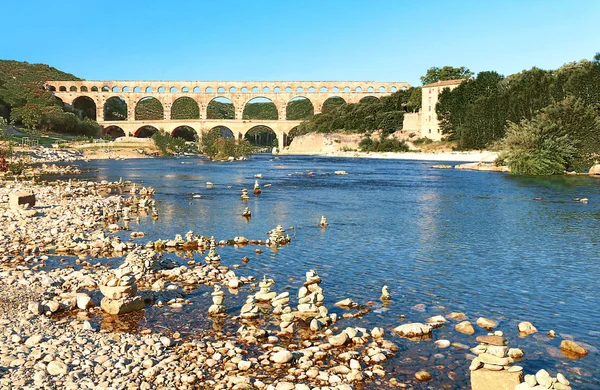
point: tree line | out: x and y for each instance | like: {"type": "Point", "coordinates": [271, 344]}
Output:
{"type": "Point", "coordinates": [543, 121]}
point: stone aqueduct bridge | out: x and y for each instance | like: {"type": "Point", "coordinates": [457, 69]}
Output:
{"type": "Point", "coordinates": [203, 92]}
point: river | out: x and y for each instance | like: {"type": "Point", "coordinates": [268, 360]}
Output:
{"type": "Point", "coordinates": [454, 241]}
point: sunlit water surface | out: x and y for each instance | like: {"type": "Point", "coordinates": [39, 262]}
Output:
{"type": "Point", "coordinates": [475, 242]}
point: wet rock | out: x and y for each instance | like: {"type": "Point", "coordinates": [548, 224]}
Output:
{"type": "Point", "coordinates": [526, 328]}
{"type": "Point", "coordinates": [465, 327]}
{"type": "Point", "coordinates": [486, 323]}
{"type": "Point", "coordinates": [492, 340]}
{"type": "Point", "coordinates": [338, 340]}
{"type": "Point", "coordinates": [411, 330]}
{"type": "Point", "coordinates": [122, 306]}
{"type": "Point", "coordinates": [572, 350]}
{"type": "Point", "coordinates": [543, 378]}
{"type": "Point", "coordinates": [423, 376]}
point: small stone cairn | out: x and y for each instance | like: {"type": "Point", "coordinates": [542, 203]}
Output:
{"type": "Point", "coordinates": [244, 195]}
{"type": "Point", "coordinates": [246, 213]}
{"type": "Point", "coordinates": [493, 367]}
{"type": "Point", "coordinates": [213, 259]}
{"type": "Point", "coordinates": [542, 378]}
{"type": "Point", "coordinates": [217, 297]}
{"type": "Point", "coordinates": [323, 222]}
{"type": "Point", "coordinates": [120, 295]}
{"type": "Point", "coordinates": [310, 302]}
{"type": "Point", "coordinates": [257, 189]}
{"type": "Point", "coordinates": [276, 236]}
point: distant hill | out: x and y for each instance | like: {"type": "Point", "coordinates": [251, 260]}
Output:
{"type": "Point", "coordinates": [24, 101]}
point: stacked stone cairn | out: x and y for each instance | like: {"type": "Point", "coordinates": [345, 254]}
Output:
{"type": "Point", "coordinates": [276, 236]}
{"type": "Point", "coordinates": [217, 297]}
{"type": "Point", "coordinates": [257, 189]}
{"type": "Point", "coordinates": [120, 295]}
{"type": "Point", "coordinates": [493, 367]}
{"type": "Point", "coordinates": [310, 303]}
{"type": "Point", "coordinates": [244, 195]}
{"type": "Point", "coordinates": [142, 262]}
{"type": "Point", "coordinates": [213, 259]}
{"type": "Point", "coordinates": [543, 380]}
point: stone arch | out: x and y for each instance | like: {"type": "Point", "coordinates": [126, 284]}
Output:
{"type": "Point", "coordinates": [223, 131]}
{"type": "Point", "coordinates": [51, 88]}
{"type": "Point", "coordinates": [149, 89]}
{"type": "Point", "coordinates": [393, 89]}
{"type": "Point", "coordinates": [323, 89]}
{"type": "Point", "coordinates": [331, 103]}
{"type": "Point", "coordinates": [173, 90]}
{"type": "Point", "coordinates": [185, 90]}
{"type": "Point", "coordinates": [220, 108]}
{"type": "Point", "coordinates": [358, 89]}
{"type": "Point", "coordinates": [369, 99]}
{"type": "Point", "coordinates": [94, 89]}
{"type": "Point", "coordinates": [261, 135]}
{"type": "Point", "coordinates": [185, 108]}
{"type": "Point", "coordinates": [116, 89]}
{"type": "Point", "coordinates": [300, 89]}
{"type": "Point", "coordinates": [382, 89]}
{"type": "Point", "coordinates": [244, 90]}
{"type": "Point", "coordinates": [137, 89]}
{"type": "Point", "coordinates": [208, 90]}
{"type": "Point", "coordinates": [335, 89]}
{"type": "Point", "coordinates": [115, 109]}
{"type": "Point", "coordinates": [260, 108]}
{"type": "Point", "coordinates": [161, 89]}
{"type": "Point", "coordinates": [105, 89]}
{"type": "Point", "coordinates": [86, 105]}
{"type": "Point", "coordinates": [149, 108]}
{"type": "Point", "coordinates": [299, 108]}
{"type": "Point", "coordinates": [146, 131]}
{"type": "Point", "coordinates": [221, 90]}
{"type": "Point", "coordinates": [62, 88]}
{"type": "Point", "coordinates": [185, 132]}
{"type": "Point", "coordinates": [114, 132]}
{"type": "Point", "coordinates": [311, 90]}
{"type": "Point", "coordinates": [276, 90]}
{"type": "Point", "coordinates": [289, 89]}
{"type": "Point", "coordinates": [266, 90]}
{"type": "Point", "coordinates": [255, 90]}
{"type": "Point", "coordinates": [347, 89]}
{"type": "Point", "coordinates": [370, 89]}
{"type": "Point", "coordinates": [73, 88]}
{"type": "Point", "coordinates": [232, 90]}
{"type": "Point", "coordinates": [197, 90]}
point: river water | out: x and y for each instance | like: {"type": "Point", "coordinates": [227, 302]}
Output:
{"type": "Point", "coordinates": [474, 242]}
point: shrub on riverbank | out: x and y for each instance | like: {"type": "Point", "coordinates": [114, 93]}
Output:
{"type": "Point", "coordinates": [168, 145]}
{"type": "Point", "coordinates": [384, 144]}
{"type": "Point", "coordinates": [564, 136]}
{"type": "Point", "coordinates": [219, 148]}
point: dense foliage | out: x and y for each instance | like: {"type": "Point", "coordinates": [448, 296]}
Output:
{"type": "Point", "coordinates": [262, 110]}
{"type": "Point", "coordinates": [563, 136]}
{"type": "Point", "coordinates": [220, 110]}
{"type": "Point", "coordinates": [383, 144]}
{"type": "Point", "coordinates": [24, 101]}
{"type": "Point", "coordinates": [436, 74]}
{"type": "Point", "coordinates": [149, 109]}
{"type": "Point", "coordinates": [185, 108]}
{"type": "Point", "coordinates": [217, 147]}
{"type": "Point", "coordinates": [299, 110]}
{"type": "Point", "coordinates": [386, 114]}
{"type": "Point", "coordinates": [167, 144]}
{"type": "Point", "coordinates": [544, 118]}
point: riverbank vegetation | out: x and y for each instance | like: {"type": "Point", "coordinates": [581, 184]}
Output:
{"type": "Point", "coordinates": [24, 102]}
{"type": "Point", "coordinates": [543, 121]}
{"type": "Point", "coordinates": [217, 147]}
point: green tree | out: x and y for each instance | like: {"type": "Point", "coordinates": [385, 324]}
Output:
{"type": "Point", "coordinates": [436, 74]}
{"type": "Point", "coordinates": [564, 136]}
{"type": "Point", "coordinates": [415, 100]}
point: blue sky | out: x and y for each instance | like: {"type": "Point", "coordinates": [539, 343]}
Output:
{"type": "Point", "coordinates": [296, 40]}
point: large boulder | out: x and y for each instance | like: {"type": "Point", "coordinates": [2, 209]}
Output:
{"type": "Point", "coordinates": [495, 380]}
